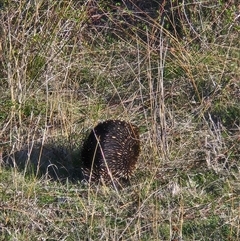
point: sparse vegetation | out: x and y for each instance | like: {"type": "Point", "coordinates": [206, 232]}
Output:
{"type": "Point", "coordinates": [173, 70]}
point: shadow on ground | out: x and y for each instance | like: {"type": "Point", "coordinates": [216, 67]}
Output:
{"type": "Point", "coordinates": [55, 162]}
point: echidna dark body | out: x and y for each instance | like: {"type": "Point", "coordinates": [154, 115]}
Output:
{"type": "Point", "coordinates": [111, 150]}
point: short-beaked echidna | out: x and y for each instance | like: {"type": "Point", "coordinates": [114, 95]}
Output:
{"type": "Point", "coordinates": [111, 151]}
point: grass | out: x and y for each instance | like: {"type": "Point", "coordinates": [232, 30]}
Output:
{"type": "Point", "coordinates": [66, 66]}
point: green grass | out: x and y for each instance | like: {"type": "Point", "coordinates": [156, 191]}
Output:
{"type": "Point", "coordinates": [65, 66]}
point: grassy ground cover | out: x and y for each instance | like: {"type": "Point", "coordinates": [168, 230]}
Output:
{"type": "Point", "coordinates": [172, 69]}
